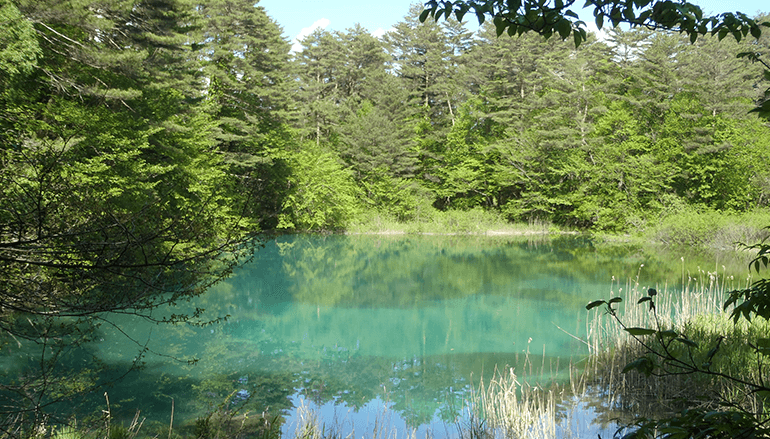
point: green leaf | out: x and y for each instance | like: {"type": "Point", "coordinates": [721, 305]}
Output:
{"type": "Point", "coordinates": [763, 346]}
{"type": "Point", "coordinates": [599, 20]}
{"type": "Point", "coordinates": [500, 25]}
{"type": "Point", "coordinates": [564, 27]}
{"type": "Point", "coordinates": [616, 300]}
{"type": "Point", "coordinates": [639, 331]}
{"type": "Point", "coordinates": [669, 333]}
{"type": "Point", "coordinates": [688, 342]}
{"type": "Point", "coordinates": [722, 34]}
{"type": "Point", "coordinates": [513, 5]}
{"type": "Point", "coordinates": [642, 365]}
{"type": "Point", "coordinates": [448, 10]}
{"type": "Point", "coordinates": [577, 38]}
{"type": "Point", "coordinates": [628, 13]}
{"type": "Point", "coordinates": [594, 304]}
{"type": "Point", "coordinates": [643, 299]}
{"type": "Point", "coordinates": [424, 15]}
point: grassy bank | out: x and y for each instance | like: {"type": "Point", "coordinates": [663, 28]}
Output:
{"type": "Point", "coordinates": [686, 227]}
{"type": "Point", "coordinates": [708, 229]}
{"type": "Point", "coordinates": [474, 221]}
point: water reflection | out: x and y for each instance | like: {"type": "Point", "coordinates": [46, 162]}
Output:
{"type": "Point", "coordinates": [353, 322]}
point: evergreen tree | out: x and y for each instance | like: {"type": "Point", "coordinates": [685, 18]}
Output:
{"type": "Point", "coordinates": [375, 137]}
{"type": "Point", "coordinates": [710, 65]}
{"type": "Point", "coordinates": [425, 58]}
{"type": "Point", "coordinates": [247, 74]}
{"type": "Point", "coordinates": [318, 66]}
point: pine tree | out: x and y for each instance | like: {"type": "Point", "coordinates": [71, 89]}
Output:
{"type": "Point", "coordinates": [425, 59]}
{"type": "Point", "coordinates": [247, 77]}
{"type": "Point", "coordinates": [318, 66]}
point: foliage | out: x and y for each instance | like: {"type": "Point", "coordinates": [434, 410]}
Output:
{"type": "Point", "coordinates": [697, 227]}
{"type": "Point", "coordinates": [461, 122]}
{"type": "Point", "coordinates": [754, 301]}
{"type": "Point", "coordinates": [114, 200]}
{"type": "Point", "coordinates": [141, 143]}
{"type": "Point", "coordinates": [19, 47]}
{"type": "Point", "coordinates": [549, 18]}
{"type": "Point", "coordinates": [322, 195]}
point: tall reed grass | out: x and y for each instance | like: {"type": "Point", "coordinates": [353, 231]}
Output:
{"type": "Point", "coordinates": [693, 308]}
{"type": "Point", "coordinates": [508, 405]}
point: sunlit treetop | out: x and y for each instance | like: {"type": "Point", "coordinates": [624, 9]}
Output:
{"type": "Point", "coordinates": [549, 17]}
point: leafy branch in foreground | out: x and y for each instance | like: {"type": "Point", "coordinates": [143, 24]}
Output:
{"type": "Point", "coordinates": [558, 17]}
{"type": "Point", "coordinates": [754, 300]}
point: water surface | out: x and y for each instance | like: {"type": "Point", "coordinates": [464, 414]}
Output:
{"type": "Point", "coordinates": [355, 325]}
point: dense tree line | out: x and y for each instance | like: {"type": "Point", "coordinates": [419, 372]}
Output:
{"type": "Point", "coordinates": [607, 136]}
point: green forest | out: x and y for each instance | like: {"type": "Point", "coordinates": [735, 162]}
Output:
{"type": "Point", "coordinates": [143, 142]}
{"type": "Point", "coordinates": [205, 108]}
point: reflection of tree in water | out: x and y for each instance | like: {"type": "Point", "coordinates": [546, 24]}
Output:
{"type": "Point", "coordinates": [413, 388]}
{"type": "Point", "coordinates": [64, 362]}
{"type": "Point", "coordinates": [405, 271]}
{"type": "Point", "coordinates": [413, 303]}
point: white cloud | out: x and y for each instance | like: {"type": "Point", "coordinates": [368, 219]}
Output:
{"type": "Point", "coordinates": [380, 32]}
{"type": "Point", "coordinates": [296, 43]}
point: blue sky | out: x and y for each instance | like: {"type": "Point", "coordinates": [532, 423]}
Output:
{"type": "Point", "coordinates": [299, 17]}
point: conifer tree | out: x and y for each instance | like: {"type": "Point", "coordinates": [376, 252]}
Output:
{"type": "Point", "coordinates": [318, 66]}
{"type": "Point", "coordinates": [425, 60]}
{"type": "Point", "coordinates": [247, 79]}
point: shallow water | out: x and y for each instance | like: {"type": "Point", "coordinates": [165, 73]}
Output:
{"type": "Point", "coordinates": [392, 329]}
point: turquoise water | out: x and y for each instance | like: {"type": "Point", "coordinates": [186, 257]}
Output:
{"type": "Point", "coordinates": [358, 326]}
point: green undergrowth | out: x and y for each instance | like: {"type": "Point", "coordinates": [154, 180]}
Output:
{"type": "Point", "coordinates": [688, 227]}
{"type": "Point", "coordinates": [709, 228]}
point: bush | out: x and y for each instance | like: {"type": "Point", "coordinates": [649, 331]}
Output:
{"type": "Point", "coordinates": [708, 228]}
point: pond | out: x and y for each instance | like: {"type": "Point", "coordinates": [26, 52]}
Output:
{"type": "Point", "coordinates": [365, 329]}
